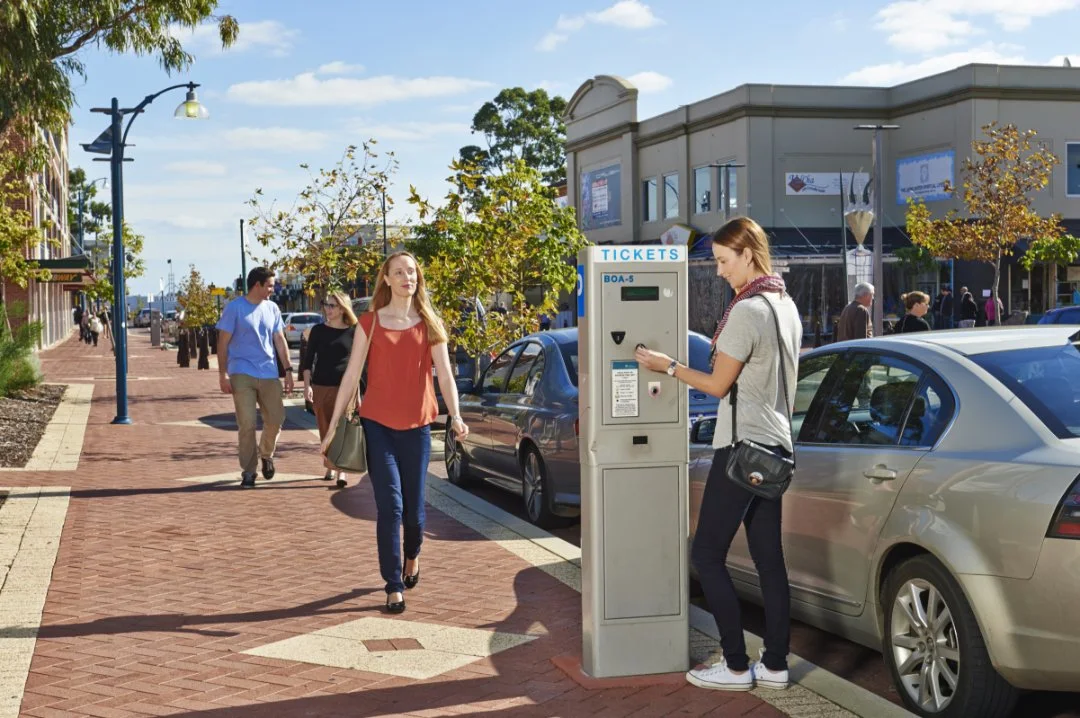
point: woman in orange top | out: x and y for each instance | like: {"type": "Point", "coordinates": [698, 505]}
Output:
{"type": "Point", "coordinates": [397, 411]}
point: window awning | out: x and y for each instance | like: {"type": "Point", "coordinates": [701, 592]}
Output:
{"type": "Point", "coordinates": [73, 272]}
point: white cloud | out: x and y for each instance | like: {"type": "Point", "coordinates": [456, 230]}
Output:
{"type": "Point", "coordinates": [625, 14]}
{"type": "Point", "coordinates": [930, 25]}
{"type": "Point", "coordinates": [186, 221]}
{"type": "Point", "coordinates": [307, 90]}
{"type": "Point", "coordinates": [338, 67]}
{"type": "Point", "coordinates": [650, 81]}
{"type": "Point", "coordinates": [282, 139]}
{"type": "Point", "coordinates": [839, 22]}
{"type": "Point", "coordinates": [460, 109]}
{"type": "Point", "coordinates": [270, 35]}
{"type": "Point", "coordinates": [412, 131]}
{"type": "Point", "coordinates": [198, 168]}
{"type": "Point", "coordinates": [894, 73]}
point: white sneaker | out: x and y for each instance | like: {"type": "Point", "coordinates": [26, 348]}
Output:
{"type": "Point", "coordinates": [777, 680]}
{"type": "Point", "coordinates": [719, 677]}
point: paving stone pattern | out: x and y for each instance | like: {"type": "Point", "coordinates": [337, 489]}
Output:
{"type": "Point", "coordinates": [165, 590]}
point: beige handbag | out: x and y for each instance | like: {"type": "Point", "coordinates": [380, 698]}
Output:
{"type": "Point", "coordinates": [348, 450]}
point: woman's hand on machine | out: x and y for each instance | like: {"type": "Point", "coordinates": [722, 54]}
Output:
{"type": "Point", "coordinates": [653, 361]}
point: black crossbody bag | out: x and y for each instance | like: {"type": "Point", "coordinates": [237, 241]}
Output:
{"type": "Point", "coordinates": [757, 469]}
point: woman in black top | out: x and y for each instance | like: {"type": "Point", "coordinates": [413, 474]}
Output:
{"type": "Point", "coordinates": [969, 311]}
{"type": "Point", "coordinates": [917, 305]}
{"type": "Point", "coordinates": [323, 365]}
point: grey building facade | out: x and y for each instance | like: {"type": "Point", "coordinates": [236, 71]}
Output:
{"type": "Point", "coordinates": [780, 153]}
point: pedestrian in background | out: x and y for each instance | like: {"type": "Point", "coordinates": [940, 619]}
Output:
{"type": "Point", "coordinates": [323, 365]}
{"type": "Point", "coordinates": [398, 408]}
{"type": "Point", "coordinates": [969, 310]}
{"type": "Point", "coordinates": [993, 308]}
{"type": "Point", "coordinates": [855, 321]}
{"type": "Point", "coordinates": [747, 348]}
{"type": "Point", "coordinates": [250, 336]}
{"type": "Point", "coordinates": [917, 305]}
{"type": "Point", "coordinates": [95, 328]}
{"type": "Point", "coordinates": [943, 309]}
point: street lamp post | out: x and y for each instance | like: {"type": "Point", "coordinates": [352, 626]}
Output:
{"type": "Point", "coordinates": [112, 142]}
{"type": "Point", "coordinates": [243, 256]}
{"type": "Point", "coordinates": [879, 218]}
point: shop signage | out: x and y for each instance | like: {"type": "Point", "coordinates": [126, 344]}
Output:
{"type": "Point", "coordinates": [824, 184]}
{"type": "Point", "coordinates": [601, 198]}
{"type": "Point", "coordinates": [924, 176]}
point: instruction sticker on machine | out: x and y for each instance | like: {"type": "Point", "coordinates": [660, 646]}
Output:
{"type": "Point", "coordinates": [624, 389]}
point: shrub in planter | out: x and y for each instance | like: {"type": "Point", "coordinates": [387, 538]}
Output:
{"type": "Point", "coordinates": [18, 365]}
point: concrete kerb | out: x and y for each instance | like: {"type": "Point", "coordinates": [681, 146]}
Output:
{"type": "Point", "coordinates": [562, 560]}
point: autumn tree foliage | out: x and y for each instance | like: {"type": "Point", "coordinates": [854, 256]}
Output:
{"type": "Point", "coordinates": [998, 190]}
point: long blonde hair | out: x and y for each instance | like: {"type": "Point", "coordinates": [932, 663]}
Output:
{"type": "Point", "coordinates": [435, 328]}
{"type": "Point", "coordinates": [343, 301]}
{"type": "Point", "coordinates": [744, 233]}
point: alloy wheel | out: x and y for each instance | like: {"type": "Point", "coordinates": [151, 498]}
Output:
{"type": "Point", "coordinates": [925, 645]}
{"type": "Point", "coordinates": [452, 456]}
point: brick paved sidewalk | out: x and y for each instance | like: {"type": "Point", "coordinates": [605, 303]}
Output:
{"type": "Point", "coordinates": [174, 592]}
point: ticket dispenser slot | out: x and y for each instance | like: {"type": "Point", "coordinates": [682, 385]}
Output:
{"type": "Point", "coordinates": [634, 452]}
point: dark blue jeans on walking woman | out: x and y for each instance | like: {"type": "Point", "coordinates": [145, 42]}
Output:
{"type": "Point", "coordinates": [724, 506]}
{"type": "Point", "coordinates": [397, 466]}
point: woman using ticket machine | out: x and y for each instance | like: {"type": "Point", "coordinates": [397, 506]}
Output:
{"type": "Point", "coordinates": [754, 360]}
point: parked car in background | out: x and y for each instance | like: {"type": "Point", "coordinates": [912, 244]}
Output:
{"type": "Point", "coordinates": [1061, 315]}
{"type": "Point", "coordinates": [298, 322]}
{"type": "Point", "coordinates": [142, 319]}
{"type": "Point", "coordinates": [522, 414]}
{"type": "Point", "coordinates": [360, 305]}
{"type": "Point", "coordinates": [935, 511]}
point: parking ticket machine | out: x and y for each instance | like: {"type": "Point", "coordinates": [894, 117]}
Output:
{"type": "Point", "coordinates": [634, 454]}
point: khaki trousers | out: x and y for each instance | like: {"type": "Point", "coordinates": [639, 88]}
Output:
{"type": "Point", "coordinates": [267, 394]}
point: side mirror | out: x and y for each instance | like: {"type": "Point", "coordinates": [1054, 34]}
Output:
{"type": "Point", "coordinates": [465, 386]}
{"type": "Point", "coordinates": [703, 430]}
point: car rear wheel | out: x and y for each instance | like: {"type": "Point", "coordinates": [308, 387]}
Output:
{"type": "Point", "coordinates": [457, 465]}
{"type": "Point", "coordinates": [934, 648]}
{"type": "Point", "coordinates": [536, 490]}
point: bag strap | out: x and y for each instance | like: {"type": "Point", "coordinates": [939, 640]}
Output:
{"type": "Point", "coordinates": [783, 375]}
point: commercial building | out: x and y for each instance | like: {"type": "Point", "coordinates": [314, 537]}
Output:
{"type": "Point", "coordinates": [50, 302]}
{"type": "Point", "coordinates": [788, 157]}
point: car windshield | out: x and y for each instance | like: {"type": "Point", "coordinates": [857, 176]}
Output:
{"type": "Point", "coordinates": [1046, 379]}
{"type": "Point", "coordinates": [569, 355]}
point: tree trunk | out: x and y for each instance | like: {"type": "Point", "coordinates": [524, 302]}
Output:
{"type": "Point", "coordinates": [994, 291]}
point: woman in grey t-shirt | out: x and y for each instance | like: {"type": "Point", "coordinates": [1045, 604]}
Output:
{"type": "Point", "coordinates": [746, 349]}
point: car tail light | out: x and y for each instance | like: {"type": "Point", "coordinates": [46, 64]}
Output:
{"type": "Point", "coordinates": [1066, 523]}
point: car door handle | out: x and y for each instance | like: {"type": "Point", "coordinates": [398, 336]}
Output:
{"type": "Point", "coordinates": [880, 473]}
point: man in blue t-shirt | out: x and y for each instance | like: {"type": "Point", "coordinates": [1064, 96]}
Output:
{"type": "Point", "coordinates": [249, 332]}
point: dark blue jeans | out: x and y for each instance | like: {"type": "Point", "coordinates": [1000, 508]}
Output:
{"type": "Point", "coordinates": [724, 506]}
{"type": "Point", "coordinates": [397, 466]}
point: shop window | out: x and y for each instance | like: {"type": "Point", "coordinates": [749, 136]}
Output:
{"type": "Point", "coordinates": [1072, 168]}
{"type": "Point", "coordinates": [702, 190]}
{"type": "Point", "coordinates": [671, 196]}
{"type": "Point", "coordinates": [648, 200]}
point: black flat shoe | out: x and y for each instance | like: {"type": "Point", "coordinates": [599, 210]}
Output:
{"type": "Point", "coordinates": [395, 607]}
{"type": "Point", "coordinates": [341, 483]}
{"type": "Point", "coordinates": [329, 476]}
{"type": "Point", "coordinates": [268, 468]}
{"type": "Point", "coordinates": [411, 581]}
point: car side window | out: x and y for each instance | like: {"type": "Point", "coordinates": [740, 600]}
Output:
{"type": "Point", "coordinates": [520, 375]}
{"type": "Point", "coordinates": [930, 413]}
{"type": "Point", "coordinates": [496, 375]}
{"type": "Point", "coordinates": [536, 373]}
{"type": "Point", "coordinates": [812, 373]}
{"type": "Point", "coordinates": [869, 403]}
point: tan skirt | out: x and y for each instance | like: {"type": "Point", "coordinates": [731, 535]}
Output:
{"type": "Point", "coordinates": [322, 399]}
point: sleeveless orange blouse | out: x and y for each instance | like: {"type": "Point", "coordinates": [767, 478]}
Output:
{"type": "Point", "coordinates": [400, 388]}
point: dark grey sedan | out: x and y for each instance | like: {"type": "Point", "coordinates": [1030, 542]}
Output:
{"type": "Point", "coordinates": [522, 414]}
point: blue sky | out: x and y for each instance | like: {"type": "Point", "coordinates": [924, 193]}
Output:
{"type": "Point", "coordinates": [306, 80]}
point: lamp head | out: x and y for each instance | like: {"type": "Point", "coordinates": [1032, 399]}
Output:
{"type": "Point", "coordinates": [191, 108]}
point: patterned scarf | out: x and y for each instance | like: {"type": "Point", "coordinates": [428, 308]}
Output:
{"type": "Point", "coordinates": [766, 283]}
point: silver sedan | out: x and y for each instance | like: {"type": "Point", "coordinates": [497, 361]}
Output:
{"type": "Point", "coordinates": [935, 510]}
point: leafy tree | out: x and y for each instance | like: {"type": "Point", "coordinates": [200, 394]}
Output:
{"type": "Point", "coordinates": [917, 259]}
{"type": "Point", "coordinates": [199, 305]}
{"type": "Point", "coordinates": [100, 253]}
{"type": "Point", "coordinates": [93, 213]}
{"type": "Point", "coordinates": [17, 231]}
{"type": "Point", "coordinates": [517, 240]}
{"type": "Point", "coordinates": [320, 237]}
{"type": "Point", "coordinates": [520, 125]}
{"type": "Point", "coordinates": [997, 196]}
{"type": "Point", "coordinates": [41, 42]}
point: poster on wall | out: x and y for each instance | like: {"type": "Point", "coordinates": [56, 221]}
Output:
{"type": "Point", "coordinates": [923, 177]}
{"type": "Point", "coordinates": [601, 198]}
{"type": "Point", "coordinates": [824, 184]}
